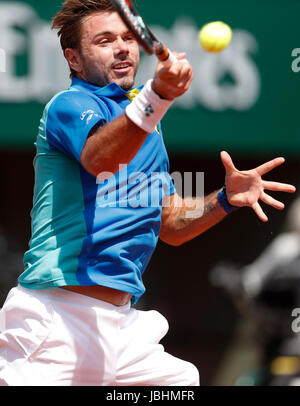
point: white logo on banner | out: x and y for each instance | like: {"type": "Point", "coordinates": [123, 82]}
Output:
{"type": "Point", "coordinates": [2, 61]}
{"type": "Point", "coordinates": [48, 73]}
{"type": "Point", "coordinates": [47, 70]}
{"type": "Point", "coordinates": [296, 61]}
{"type": "Point", "coordinates": [209, 87]}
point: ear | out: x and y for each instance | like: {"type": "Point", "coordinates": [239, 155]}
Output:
{"type": "Point", "coordinates": [74, 59]}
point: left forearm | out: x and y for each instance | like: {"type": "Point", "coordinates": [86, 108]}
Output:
{"type": "Point", "coordinates": [191, 217]}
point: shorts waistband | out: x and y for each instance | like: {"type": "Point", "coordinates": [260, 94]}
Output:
{"type": "Point", "coordinates": [58, 294]}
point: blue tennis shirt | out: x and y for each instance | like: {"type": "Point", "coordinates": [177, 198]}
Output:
{"type": "Point", "coordinates": [87, 230]}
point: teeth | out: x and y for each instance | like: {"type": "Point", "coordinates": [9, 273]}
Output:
{"type": "Point", "coordinates": [121, 66]}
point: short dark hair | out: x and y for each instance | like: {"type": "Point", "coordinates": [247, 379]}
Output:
{"type": "Point", "coordinates": [69, 20]}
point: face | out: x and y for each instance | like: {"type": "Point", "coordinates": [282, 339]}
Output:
{"type": "Point", "coordinates": [109, 52]}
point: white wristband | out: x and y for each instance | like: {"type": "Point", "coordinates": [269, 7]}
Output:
{"type": "Point", "coordinates": [147, 108]}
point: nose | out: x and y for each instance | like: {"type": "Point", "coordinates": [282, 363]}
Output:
{"type": "Point", "coordinates": [121, 47]}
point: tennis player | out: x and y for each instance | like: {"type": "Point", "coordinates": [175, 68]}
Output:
{"type": "Point", "coordinates": [100, 160]}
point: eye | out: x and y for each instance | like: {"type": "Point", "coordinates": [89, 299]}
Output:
{"type": "Point", "coordinates": [129, 37]}
{"type": "Point", "coordinates": [104, 41]}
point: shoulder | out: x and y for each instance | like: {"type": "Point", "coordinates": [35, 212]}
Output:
{"type": "Point", "coordinates": [75, 103]}
{"type": "Point", "coordinates": [71, 99]}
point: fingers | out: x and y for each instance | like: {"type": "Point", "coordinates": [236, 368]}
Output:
{"type": "Point", "coordinates": [249, 187]}
{"type": "Point", "coordinates": [176, 71]}
{"type": "Point", "coordinates": [179, 55]}
{"type": "Point", "coordinates": [259, 212]}
{"type": "Point", "coordinates": [279, 187]}
{"type": "Point", "coordinates": [269, 166]}
{"type": "Point", "coordinates": [182, 68]}
{"type": "Point", "coordinates": [185, 77]}
{"type": "Point", "coordinates": [183, 87]}
{"type": "Point", "coordinates": [182, 71]}
{"type": "Point", "coordinates": [227, 162]}
{"type": "Point", "coordinates": [172, 82]}
{"type": "Point", "coordinates": [271, 201]}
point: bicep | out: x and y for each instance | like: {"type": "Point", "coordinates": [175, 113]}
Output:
{"type": "Point", "coordinates": [89, 145]}
{"type": "Point", "coordinates": [114, 144]}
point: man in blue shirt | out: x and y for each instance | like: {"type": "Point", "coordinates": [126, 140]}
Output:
{"type": "Point", "coordinates": [103, 197]}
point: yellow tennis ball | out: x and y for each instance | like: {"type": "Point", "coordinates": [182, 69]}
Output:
{"type": "Point", "coordinates": [216, 36]}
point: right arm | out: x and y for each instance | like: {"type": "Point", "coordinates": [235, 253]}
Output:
{"type": "Point", "coordinates": [111, 145]}
{"type": "Point", "coordinates": [118, 141]}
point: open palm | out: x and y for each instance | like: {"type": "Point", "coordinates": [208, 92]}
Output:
{"type": "Point", "coordinates": [246, 188]}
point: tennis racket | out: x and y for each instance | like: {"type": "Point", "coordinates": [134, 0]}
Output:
{"type": "Point", "coordinates": [135, 23]}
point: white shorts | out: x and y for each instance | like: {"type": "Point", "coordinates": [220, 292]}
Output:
{"type": "Point", "coordinates": [57, 337]}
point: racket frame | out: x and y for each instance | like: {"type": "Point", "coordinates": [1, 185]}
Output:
{"type": "Point", "coordinates": [145, 37]}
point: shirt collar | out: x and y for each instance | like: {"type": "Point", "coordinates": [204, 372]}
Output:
{"type": "Point", "coordinates": [111, 90]}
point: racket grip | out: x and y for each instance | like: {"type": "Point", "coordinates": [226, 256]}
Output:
{"type": "Point", "coordinates": [164, 55]}
{"type": "Point", "coordinates": [171, 60]}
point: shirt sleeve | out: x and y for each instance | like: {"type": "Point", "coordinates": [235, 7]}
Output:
{"type": "Point", "coordinates": [172, 189]}
{"type": "Point", "coordinates": [169, 188]}
{"type": "Point", "coordinates": [168, 184]}
{"type": "Point", "coordinates": [71, 117]}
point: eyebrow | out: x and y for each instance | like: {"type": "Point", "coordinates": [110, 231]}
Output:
{"type": "Point", "coordinates": [109, 33]}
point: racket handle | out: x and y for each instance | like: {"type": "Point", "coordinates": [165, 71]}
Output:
{"type": "Point", "coordinates": [171, 60]}
{"type": "Point", "coordinates": [164, 55]}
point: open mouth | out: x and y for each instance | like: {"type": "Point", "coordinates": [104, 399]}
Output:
{"type": "Point", "coordinates": [122, 67]}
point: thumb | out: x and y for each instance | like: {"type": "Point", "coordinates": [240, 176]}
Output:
{"type": "Point", "coordinates": [227, 162]}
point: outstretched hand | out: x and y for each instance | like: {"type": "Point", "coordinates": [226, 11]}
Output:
{"type": "Point", "coordinates": [246, 188]}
